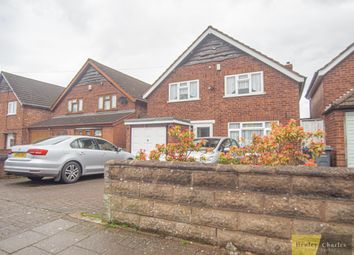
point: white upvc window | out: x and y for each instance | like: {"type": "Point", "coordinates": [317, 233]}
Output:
{"type": "Point", "coordinates": [244, 84]}
{"type": "Point", "coordinates": [243, 131]}
{"type": "Point", "coordinates": [107, 102]}
{"type": "Point", "coordinates": [203, 128]}
{"type": "Point", "coordinates": [11, 108]}
{"type": "Point", "coordinates": [183, 91]}
{"type": "Point", "coordinates": [75, 105]}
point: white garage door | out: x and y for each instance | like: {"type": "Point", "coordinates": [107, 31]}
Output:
{"type": "Point", "coordinates": [349, 130]}
{"type": "Point", "coordinates": [146, 138]}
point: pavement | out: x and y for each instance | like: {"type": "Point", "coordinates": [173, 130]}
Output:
{"type": "Point", "coordinates": [38, 219]}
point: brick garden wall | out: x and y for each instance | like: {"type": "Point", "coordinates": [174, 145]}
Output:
{"type": "Point", "coordinates": [257, 208]}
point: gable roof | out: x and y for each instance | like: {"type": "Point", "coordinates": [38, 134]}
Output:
{"type": "Point", "coordinates": [317, 77]}
{"type": "Point", "coordinates": [346, 101]}
{"type": "Point", "coordinates": [248, 50]}
{"type": "Point", "coordinates": [31, 92]}
{"type": "Point", "coordinates": [128, 85]}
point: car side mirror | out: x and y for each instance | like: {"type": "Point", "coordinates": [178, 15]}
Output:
{"type": "Point", "coordinates": [119, 149]}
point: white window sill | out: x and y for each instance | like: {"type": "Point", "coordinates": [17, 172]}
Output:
{"type": "Point", "coordinates": [245, 95]}
{"type": "Point", "coordinates": [186, 100]}
{"type": "Point", "coordinates": [11, 114]}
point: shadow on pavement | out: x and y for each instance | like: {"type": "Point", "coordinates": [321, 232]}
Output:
{"type": "Point", "coordinates": [25, 182]}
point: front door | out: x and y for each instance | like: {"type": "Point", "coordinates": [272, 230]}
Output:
{"type": "Point", "coordinates": [10, 140]}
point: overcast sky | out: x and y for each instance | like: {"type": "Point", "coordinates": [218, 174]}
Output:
{"type": "Point", "coordinates": [51, 40]}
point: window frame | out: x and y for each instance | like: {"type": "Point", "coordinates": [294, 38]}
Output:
{"type": "Point", "coordinates": [102, 100]}
{"type": "Point", "coordinates": [249, 75]}
{"type": "Point", "coordinates": [178, 91]}
{"type": "Point", "coordinates": [203, 124]}
{"type": "Point", "coordinates": [241, 128]}
{"type": "Point", "coordinates": [79, 102]}
{"type": "Point", "coordinates": [11, 105]}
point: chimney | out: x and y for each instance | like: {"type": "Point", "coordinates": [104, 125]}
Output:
{"type": "Point", "coordinates": [288, 66]}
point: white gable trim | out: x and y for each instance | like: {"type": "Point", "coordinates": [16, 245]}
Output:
{"type": "Point", "coordinates": [339, 59]}
{"type": "Point", "coordinates": [13, 91]}
{"type": "Point", "coordinates": [233, 42]}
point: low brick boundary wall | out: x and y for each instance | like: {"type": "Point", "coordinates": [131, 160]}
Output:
{"type": "Point", "coordinates": [257, 208]}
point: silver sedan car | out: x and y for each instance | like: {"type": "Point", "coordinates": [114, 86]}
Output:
{"type": "Point", "coordinates": [65, 158]}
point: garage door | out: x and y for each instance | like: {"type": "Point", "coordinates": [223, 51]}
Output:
{"type": "Point", "coordinates": [37, 135]}
{"type": "Point", "coordinates": [349, 130]}
{"type": "Point", "coordinates": [146, 138]}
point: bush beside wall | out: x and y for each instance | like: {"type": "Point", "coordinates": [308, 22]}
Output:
{"type": "Point", "coordinates": [257, 208]}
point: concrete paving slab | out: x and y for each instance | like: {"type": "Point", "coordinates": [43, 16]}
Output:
{"type": "Point", "coordinates": [31, 251]}
{"type": "Point", "coordinates": [20, 241]}
{"type": "Point", "coordinates": [54, 227]}
{"type": "Point", "coordinates": [59, 242]}
{"type": "Point", "coordinates": [73, 250]}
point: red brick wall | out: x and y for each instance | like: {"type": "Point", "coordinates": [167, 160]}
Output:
{"type": "Point", "coordinates": [317, 103]}
{"type": "Point", "coordinates": [334, 127]}
{"type": "Point", "coordinates": [334, 84]}
{"type": "Point", "coordinates": [280, 101]}
{"type": "Point", "coordinates": [90, 98]}
{"type": "Point", "coordinates": [18, 123]}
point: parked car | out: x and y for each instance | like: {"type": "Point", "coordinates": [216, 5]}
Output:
{"type": "Point", "coordinates": [65, 158]}
{"type": "Point", "coordinates": [212, 148]}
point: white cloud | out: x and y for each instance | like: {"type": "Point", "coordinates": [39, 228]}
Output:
{"type": "Point", "coordinates": [50, 40]}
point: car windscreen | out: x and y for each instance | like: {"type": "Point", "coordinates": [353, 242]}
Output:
{"type": "Point", "coordinates": [53, 140]}
{"type": "Point", "coordinates": [208, 142]}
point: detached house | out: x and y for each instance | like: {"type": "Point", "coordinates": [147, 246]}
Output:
{"type": "Point", "coordinates": [219, 87]}
{"type": "Point", "coordinates": [331, 95]}
{"type": "Point", "coordinates": [95, 103]}
{"type": "Point", "coordinates": [23, 101]}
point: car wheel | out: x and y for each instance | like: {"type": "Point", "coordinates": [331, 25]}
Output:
{"type": "Point", "coordinates": [35, 178]}
{"type": "Point", "coordinates": [71, 172]}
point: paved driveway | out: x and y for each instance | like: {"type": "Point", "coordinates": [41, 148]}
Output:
{"type": "Point", "coordinates": [35, 219]}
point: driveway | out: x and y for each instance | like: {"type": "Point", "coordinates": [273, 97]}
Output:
{"type": "Point", "coordinates": [35, 219]}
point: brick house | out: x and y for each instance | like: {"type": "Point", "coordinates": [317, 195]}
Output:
{"type": "Point", "coordinates": [23, 101]}
{"type": "Point", "coordinates": [331, 95]}
{"type": "Point", "coordinates": [221, 87]}
{"type": "Point", "coordinates": [95, 103]}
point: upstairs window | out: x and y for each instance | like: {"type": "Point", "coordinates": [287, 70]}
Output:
{"type": "Point", "coordinates": [75, 105]}
{"type": "Point", "coordinates": [12, 108]}
{"type": "Point", "coordinates": [184, 91]}
{"type": "Point", "coordinates": [107, 102]}
{"type": "Point", "coordinates": [244, 84]}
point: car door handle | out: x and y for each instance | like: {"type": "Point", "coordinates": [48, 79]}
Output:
{"type": "Point", "coordinates": [82, 153]}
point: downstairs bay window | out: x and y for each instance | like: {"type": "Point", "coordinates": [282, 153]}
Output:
{"type": "Point", "coordinates": [243, 131]}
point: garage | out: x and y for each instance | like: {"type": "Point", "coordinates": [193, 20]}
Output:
{"type": "Point", "coordinates": [146, 138]}
{"type": "Point", "coordinates": [349, 131]}
{"type": "Point", "coordinates": [146, 133]}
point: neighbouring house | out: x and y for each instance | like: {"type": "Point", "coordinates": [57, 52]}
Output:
{"type": "Point", "coordinates": [331, 95]}
{"type": "Point", "coordinates": [220, 87]}
{"type": "Point", "coordinates": [23, 101]}
{"type": "Point", "coordinates": [95, 103]}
